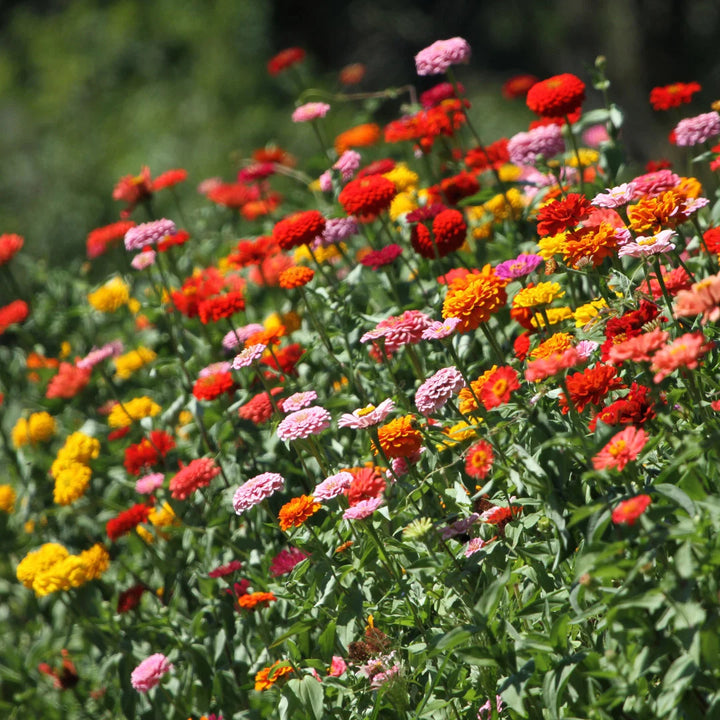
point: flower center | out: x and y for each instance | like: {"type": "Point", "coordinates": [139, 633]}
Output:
{"type": "Point", "coordinates": [500, 387]}
{"type": "Point", "coordinates": [617, 448]}
{"type": "Point", "coordinates": [365, 411]}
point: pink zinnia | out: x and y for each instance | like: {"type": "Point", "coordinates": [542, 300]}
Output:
{"type": "Point", "coordinates": [215, 369]}
{"type": "Point", "coordinates": [143, 260]}
{"type": "Point", "coordinates": [654, 183]}
{"type": "Point", "coordinates": [622, 448]}
{"type": "Point", "coordinates": [363, 509]}
{"type": "Point", "coordinates": [437, 330]}
{"type": "Point", "coordinates": [485, 711]}
{"type": "Point", "coordinates": [146, 484]}
{"type": "Point", "coordinates": [248, 356]}
{"type": "Point", "coordinates": [367, 416]}
{"type": "Point", "coordinates": [347, 165]}
{"type": "Point", "coordinates": [192, 477]}
{"type": "Point", "coordinates": [303, 423]}
{"type": "Point", "coordinates": [432, 395]}
{"type": "Point", "coordinates": [615, 197]}
{"type": "Point", "coordinates": [649, 245]}
{"type": "Point", "coordinates": [438, 57]}
{"type": "Point", "coordinates": [337, 667]}
{"type": "Point", "coordinates": [310, 111]}
{"type": "Point", "coordinates": [639, 347]}
{"type": "Point", "coordinates": [97, 355]}
{"type": "Point", "coordinates": [332, 486]}
{"type": "Point", "coordinates": [399, 330]}
{"type": "Point", "coordinates": [475, 545]}
{"type": "Point", "coordinates": [149, 233]}
{"type": "Point", "coordinates": [255, 490]}
{"type": "Point", "coordinates": [595, 135]}
{"type": "Point", "coordinates": [685, 351]}
{"type": "Point", "coordinates": [238, 336]}
{"type": "Point", "coordinates": [298, 401]}
{"type": "Point", "coordinates": [149, 672]}
{"type": "Point", "coordinates": [698, 129]}
{"type": "Point", "coordinates": [525, 148]}
{"type": "Point", "coordinates": [336, 230]}
{"type": "Point", "coordinates": [286, 560]}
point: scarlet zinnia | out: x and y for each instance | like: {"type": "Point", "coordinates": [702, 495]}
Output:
{"type": "Point", "coordinates": [297, 511]}
{"type": "Point", "coordinates": [367, 483]}
{"type": "Point", "coordinates": [518, 86]}
{"type": "Point", "coordinates": [675, 95]}
{"type": "Point", "coordinates": [9, 245]}
{"type": "Point", "coordinates": [561, 215]}
{"type": "Point", "coordinates": [300, 228]}
{"type": "Point", "coordinates": [285, 59]}
{"type": "Point", "coordinates": [557, 96]}
{"type": "Point", "coordinates": [368, 195]}
{"type": "Point", "coordinates": [15, 312]}
{"type": "Point", "coordinates": [497, 388]}
{"type": "Point", "coordinates": [68, 382]}
{"type": "Point", "coordinates": [399, 438]}
{"type": "Point", "coordinates": [213, 386]}
{"type": "Point", "coordinates": [479, 460]}
{"type": "Point", "coordinates": [218, 307]}
{"type": "Point", "coordinates": [590, 386]}
{"type": "Point", "coordinates": [449, 231]}
{"type": "Point", "coordinates": [126, 521]}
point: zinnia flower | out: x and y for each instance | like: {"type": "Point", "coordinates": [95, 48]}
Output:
{"type": "Point", "coordinates": [310, 111]}
{"type": "Point", "coordinates": [10, 244]}
{"type": "Point", "coordinates": [622, 448]}
{"type": "Point", "coordinates": [697, 130]}
{"type": "Point", "coordinates": [558, 96]}
{"type": "Point", "coordinates": [368, 416]}
{"type": "Point", "coordinates": [432, 395]}
{"type": "Point", "coordinates": [628, 511]}
{"type": "Point", "coordinates": [149, 233]}
{"type": "Point", "coordinates": [268, 676]}
{"type": "Point", "coordinates": [332, 486]}
{"type": "Point", "coordinates": [286, 560]}
{"type": "Point", "coordinates": [248, 356]}
{"type": "Point", "coordinates": [285, 59]}
{"type": "Point", "coordinates": [126, 521]}
{"type": "Point", "coordinates": [304, 423]}
{"type": "Point", "coordinates": [684, 351]}
{"type": "Point", "coordinates": [479, 460]}
{"type": "Point", "coordinates": [255, 490]}
{"type": "Point", "coordinates": [399, 438]}
{"type": "Point", "coordinates": [546, 141]}
{"type": "Point", "coordinates": [474, 298]}
{"type": "Point", "coordinates": [368, 195]}
{"type": "Point", "coordinates": [150, 672]}
{"type": "Point", "coordinates": [675, 95]}
{"type": "Point", "coordinates": [297, 511]}
{"type": "Point", "coordinates": [438, 57]}
{"type": "Point", "coordinates": [363, 509]}
{"type": "Point", "coordinates": [192, 477]}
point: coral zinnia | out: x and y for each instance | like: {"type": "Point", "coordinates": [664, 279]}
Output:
{"type": "Point", "coordinates": [628, 511]}
{"type": "Point", "coordinates": [399, 438]}
{"type": "Point", "coordinates": [557, 96]}
{"type": "Point", "coordinates": [9, 245]}
{"type": "Point", "coordinates": [498, 386]}
{"type": "Point", "coordinates": [298, 229]}
{"type": "Point", "coordinates": [479, 460]}
{"type": "Point", "coordinates": [192, 477]}
{"type": "Point", "coordinates": [297, 511]}
{"type": "Point", "coordinates": [622, 448]}
{"type": "Point", "coordinates": [368, 195]}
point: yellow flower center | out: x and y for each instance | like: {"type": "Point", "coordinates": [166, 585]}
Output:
{"type": "Point", "coordinates": [617, 448]}
{"type": "Point", "coordinates": [365, 411]}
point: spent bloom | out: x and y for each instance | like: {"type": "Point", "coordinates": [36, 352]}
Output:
{"type": "Point", "coordinates": [432, 395]}
{"type": "Point", "coordinates": [303, 423]}
{"type": "Point", "coordinates": [150, 672]}
{"type": "Point", "coordinates": [368, 416]}
{"type": "Point", "coordinates": [149, 233]}
{"type": "Point", "coordinates": [698, 129]}
{"type": "Point", "coordinates": [310, 111]}
{"type": "Point", "coordinates": [622, 448]}
{"type": "Point", "coordinates": [438, 57]}
{"type": "Point", "coordinates": [332, 486]}
{"type": "Point", "coordinates": [255, 490]}
{"type": "Point", "coordinates": [363, 509]}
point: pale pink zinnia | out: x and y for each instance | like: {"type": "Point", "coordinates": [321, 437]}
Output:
{"type": "Point", "coordinates": [310, 111]}
{"type": "Point", "coordinates": [649, 245]}
{"type": "Point", "coordinates": [97, 355]}
{"type": "Point", "coordinates": [475, 545]}
{"type": "Point", "coordinates": [303, 423]}
{"type": "Point", "coordinates": [144, 260]}
{"type": "Point", "coordinates": [149, 233]}
{"type": "Point", "coordinates": [298, 401]}
{"type": "Point", "coordinates": [363, 509]}
{"type": "Point", "coordinates": [396, 331]}
{"type": "Point", "coordinates": [615, 197]}
{"type": "Point", "coordinates": [146, 484]}
{"type": "Point", "coordinates": [332, 486]}
{"type": "Point", "coordinates": [622, 448]}
{"type": "Point", "coordinates": [702, 298]}
{"type": "Point", "coordinates": [438, 57]}
{"type": "Point", "coordinates": [347, 165]}
{"type": "Point", "coordinates": [685, 351]}
{"type": "Point", "coordinates": [238, 336]}
{"type": "Point", "coordinates": [525, 148]}
{"type": "Point", "coordinates": [438, 330]}
{"type": "Point", "coordinates": [215, 368]}
{"type": "Point", "coordinates": [368, 416]}
{"type": "Point", "coordinates": [255, 490]}
{"type": "Point", "coordinates": [149, 672]}
{"type": "Point", "coordinates": [432, 395]}
{"type": "Point", "coordinates": [248, 356]}
{"type": "Point", "coordinates": [698, 129]}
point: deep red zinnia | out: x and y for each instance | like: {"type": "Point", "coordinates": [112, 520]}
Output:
{"type": "Point", "coordinates": [449, 231]}
{"type": "Point", "coordinates": [557, 96]}
{"type": "Point", "coordinates": [368, 195]}
{"type": "Point", "coordinates": [300, 228]}
{"type": "Point", "coordinates": [285, 59]}
{"type": "Point", "coordinates": [126, 521]}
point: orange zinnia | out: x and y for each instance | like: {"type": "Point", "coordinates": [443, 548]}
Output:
{"type": "Point", "coordinates": [589, 245]}
{"type": "Point", "coordinates": [295, 276]}
{"type": "Point", "coordinates": [474, 297]}
{"type": "Point", "coordinates": [252, 600]}
{"type": "Point", "coordinates": [297, 511]}
{"type": "Point", "coordinates": [268, 676]}
{"type": "Point", "coordinates": [399, 438]}
{"type": "Point", "coordinates": [358, 136]}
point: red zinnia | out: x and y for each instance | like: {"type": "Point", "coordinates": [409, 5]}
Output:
{"type": "Point", "coordinates": [129, 599]}
{"type": "Point", "coordinates": [287, 358]}
{"type": "Point", "coordinates": [223, 570]}
{"type": "Point", "coordinates": [9, 245]}
{"type": "Point", "coordinates": [494, 155]}
{"type": "Point", "coordinates": [590, 386]}
{"type": "Point", "coordinates": [213, 386]}
{"type": "Point", "coordinates": [367, 484]}
{"type": "Point", "coordinates": [300, 228]}
{"type": "Point", "coordinates": [670, 96]}
{"type": "Point", "coordinates": [377, 167]}
{"type": "Point", "coordinates": [622, 448]}
{"type": "Point", "coordinates": [220, 306]}
{"type": "Point", "coordinates": [169, 178]}
{"type": "Point", "coordinates": [449, 232]}
{"type": "Point", "coordinates": [457, 187]}
{"type": "Point", "coordinates": [368, 195]}
{"type": "Point", "coordinates": [628, 511]}
{"type": "Point", "coordinates": [557, 96]}
{"type": "Point", "coordinates": [498, 387]}
{"type": "Point", "coordinates": [259, 408]}
{"type": "Point", "coordinates": [376, 259]}
{"type": "Point", "coordinates": [518, 86]}
{"type": "Point", "coordinates": [560, 215]}
{"type": "Point", "coordinates": [285, 59]}
{"type": "Point", "coordinates": [479, 460]}
{"type": "Point", "coordinates": [148, 452]}
{"type": "Point", "coordinates": [192, 477]}
{"type": "Point", "coordinates": [126, 521]}
{"type": "Point", "coordinates": [15, 312]}
{"type": "Point", "coordinates": [99, 238]}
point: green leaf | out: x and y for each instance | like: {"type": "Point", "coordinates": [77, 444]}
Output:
{"type": "Point", "coordinates": [677, 496]}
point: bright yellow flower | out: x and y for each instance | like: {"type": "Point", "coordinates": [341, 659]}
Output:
{"type": "Point", "coordinates": [127, 364]}
{"type": "Point", "coordinates": [39, 561]}
{"type": "Point", "coordinates": [135, 409]}
{"type": "Point", "coordinates": [78, 448]}
{"type": "Point", "coordinates": [145, 534]}
{"type": "Point", "coordinates": [403, 178]}
{"type": "Point", "coordinates": [65, 349]}
{"type": "Point", "coordinates": [457, 433]}
{"type": "Point", "coordinates": [7, 498]}
{"type": "Point", "coordinates": [163, 517]}
{"type": "Point", "coordinates": [71, 483]}
{"type": "Point", "coordinates": [503, 206]}
{"type": "Point", "coordinates": [20, 433]}
{"type": "Point", "coordinates": [402, 203]}
{"type": "Point", "coordinates": [509, 172]}
{"type": "Point", "coordinates": [588, 312]}
{"type": "Point", "coordinates": [111, 296]}
{"type": "Point", "coordinates": [554, 316]}
{"type": "Point", "coordinates": [551, 245]}
{"type": "Point", "coordinates": [587, 158]}
{"type": "Point", "coordinates": [96, 559]}
{"type": "Point", "coordinates": [541, 294]}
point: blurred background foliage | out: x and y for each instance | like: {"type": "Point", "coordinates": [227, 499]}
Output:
{"type": "Point", "coordinates": [91, 90]}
